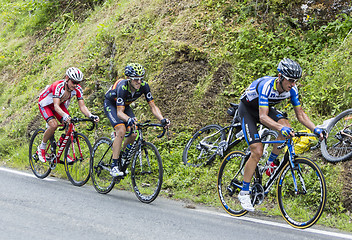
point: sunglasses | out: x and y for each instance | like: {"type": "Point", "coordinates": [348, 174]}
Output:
{"type": "Point", "coordinates": [137, 78]}
{"type": "Point", "coordinates": [292, 80]}
{"type": "Point", "coordinates": [74, 82]}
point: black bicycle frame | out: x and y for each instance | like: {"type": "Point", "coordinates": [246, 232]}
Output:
{"type": "Point", "coordinates": [288, 157]}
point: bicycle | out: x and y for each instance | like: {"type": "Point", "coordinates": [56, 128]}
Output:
{"type": "Point", "coordinates": [146, 168]}
{"type": "Point", "coordinates": [300, 191]}
{"type": "Point", "coordinates": [214, 139]}
{"type": "Point", "coordinates": [77, 153]}
{"type": "Point", "coordinates": [338, 146]}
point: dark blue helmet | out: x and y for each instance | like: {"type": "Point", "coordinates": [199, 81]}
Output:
{"type": "Point", "coordinates": [290, 68]}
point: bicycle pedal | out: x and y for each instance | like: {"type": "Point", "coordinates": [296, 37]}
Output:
{"type": "Point", "coordinates": [230, 191]}
{"type": "Point", "coordinates": [119, 178]}
{"type": "Point", "coordinates": [35, 157]}
{"type": "Point", "coordinates": [52, 165]}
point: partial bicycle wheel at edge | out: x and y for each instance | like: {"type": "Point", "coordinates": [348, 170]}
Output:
{"type": "Point", "coordinates": [199, 151]}
{"type": "Point", "coordinates": [230, 179]}
{"type": "Point", "coordinates": [147, 173]}
{"type": "Point", "coordinates": [40, 169]}
{"type": "Point", "coordinates": [77, 159]}
{"type": "Point", "coordinates": [302, 208]}
{"type": "Point", "coordinates": [338, 146]}
{"type": "Point", "coordinates": [100, 166]}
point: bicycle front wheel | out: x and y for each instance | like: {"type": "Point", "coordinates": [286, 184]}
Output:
{"type": "Point", "coordinates": [77, 159]}
{"type": "Point", "coordinates": [40, 169]}
{"type": "Point", "coordinates": [100, 166]}
{"type": "Point", "coordinates": [147, 173]}
{"type": "Point", "coordinates": [201, 148]}
{"type": "Point", "coordinates": [229, 182]}
{"type": "Point", "coordinates": [301, 207]}
{"type": "Point", "coordinates": [338, 146]}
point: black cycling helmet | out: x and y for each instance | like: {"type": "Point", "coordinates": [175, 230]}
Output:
{"type": "Point", "coordinates": [290, 68]}
{"type": "Point", "coordinates": [134, 70]}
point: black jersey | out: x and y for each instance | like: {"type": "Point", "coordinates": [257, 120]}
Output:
{"type": "Point", "coordinates": [121, 93]}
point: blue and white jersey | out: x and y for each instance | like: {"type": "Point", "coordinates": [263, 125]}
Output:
{"type": "Point", "coordinates": [263, 93]}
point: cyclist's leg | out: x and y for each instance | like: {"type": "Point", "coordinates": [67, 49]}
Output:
{"type": "Point", "coordinates": [48, 114]}
{"type": "Point", "coordinates": [128, 111]}
{"type": "Point", "coordinates": [118, 125]}
{"type": "Point", "coordinates": [280, 117]}
{"type": "Point", "coordinates": [249, 120]}
{"type": "Point", "coordinates": [120, 130]}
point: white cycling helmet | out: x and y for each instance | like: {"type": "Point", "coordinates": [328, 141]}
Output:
{"type": "Point", "coordinates": [74, 74]}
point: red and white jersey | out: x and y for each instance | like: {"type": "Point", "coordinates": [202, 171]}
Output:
{"type": "Point", "coordinates": [56, 90]}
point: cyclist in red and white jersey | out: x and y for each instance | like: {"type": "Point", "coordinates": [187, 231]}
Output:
{"type": "Point", "coordinates": [54, 101]}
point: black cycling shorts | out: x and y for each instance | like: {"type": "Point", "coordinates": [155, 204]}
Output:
{"type": "Point", "coordinates": [110, 110]}
{"type": "Point", "coordinates": [250, 119]}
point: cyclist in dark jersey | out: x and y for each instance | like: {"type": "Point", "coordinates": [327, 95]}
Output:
{"type": "Point", "coordinates": [54, 101]}
{"type": "Point", "coordinates": [117, 108]}
{"type": "Point", "coordinates": [256, 106]}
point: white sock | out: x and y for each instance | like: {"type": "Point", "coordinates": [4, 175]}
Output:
{"type": "Point", "coordinates": [43, 145]}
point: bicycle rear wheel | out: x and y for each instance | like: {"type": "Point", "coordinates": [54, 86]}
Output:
{"type": "Point", "coordinates": [100, 166]}
{"type": "Point", "coordinates": [147, 173]}
{"type": "Point", "coordinates": [77, 159]}
{"type": "Point", "coordinates": [229, 182]}
{"type": "Point", "coordinates": [302, 208]}
{"type": "Point", "coordinates": [40, 169]}
{"type": "Point", "coordinates": [198, 150]}
{"type": "Point", "coordinates": [338, 146]}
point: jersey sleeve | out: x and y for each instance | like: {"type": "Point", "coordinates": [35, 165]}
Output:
{"type": "Point", "coordinates": [294, 97]}
{"type": "Point", "coordinates": [121, 95]}
{"type": "Point", "coordinates": [79, 92]}
{"type": "Point", "coordinates": [56, 90]}
{"type": "Point", "coordinates": [263, 94]}
{"type": "Point", "coordinates": [147, 92]}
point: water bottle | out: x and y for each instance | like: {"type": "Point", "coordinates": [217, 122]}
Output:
{"type": "Point", "coordinates": [61, 139]}
{"type": "Point", "coordinates": [272, 167]}
{"type": "Point", "coordinates": [239, 134]}
{"type": "Point", "coordinates": [125, 153]}
{"type": "Point", "coordinates": [112, 136]}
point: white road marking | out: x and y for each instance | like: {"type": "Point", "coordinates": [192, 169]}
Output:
{"type": "Point", "coordinates": [276, 224]}
{"type": "Point", "coordinates": [23, 173]}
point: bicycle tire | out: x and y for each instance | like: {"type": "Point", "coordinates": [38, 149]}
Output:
{"type": "Point", "coordinates": [40, 169]}
{"type": "Point", "coordinates": [226, 183]}
{"type": "Point", "coordinates": [100, 166]}
{"type": "Point", "coordinates": [147, 173]}
{"type": "Point", "coordinates": [78, 170]}
{"type": "Point", "coordinates": [338, 147]}
{"type": "Point", "coordinates": [194, 154]}
{"type": "Point", "coordinates": [302, 209]}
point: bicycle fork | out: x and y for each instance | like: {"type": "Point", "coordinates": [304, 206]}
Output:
{"type": "Point", "coordinates": [143, 171]}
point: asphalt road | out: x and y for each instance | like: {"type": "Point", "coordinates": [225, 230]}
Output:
{"type": "Point", "coordinates": [31, 208]}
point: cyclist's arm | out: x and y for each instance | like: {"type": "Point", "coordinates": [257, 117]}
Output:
{"type": "Point", "coordinates": [155, 110]}
{"type": "Point", "coordinates": [121, 114]}
{"type": "Point", "coordinates": [84, 108]}
{"type": "Point", "coordinates": [303, 118]}
{"type": "Point", "coordinates": [268, 121]}
{"type": "Point", "coordinates": [57, 107]}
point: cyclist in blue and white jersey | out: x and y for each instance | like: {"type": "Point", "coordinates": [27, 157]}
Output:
{"type": "Point", "coordinates": [256, 106]}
